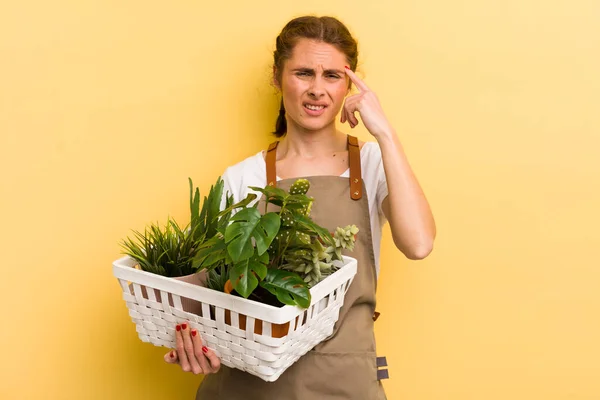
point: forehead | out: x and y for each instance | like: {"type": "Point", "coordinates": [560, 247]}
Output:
{"type": "Point", "coordinates": [314, 54]}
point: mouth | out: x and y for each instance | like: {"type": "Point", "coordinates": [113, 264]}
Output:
{"type": "Point", "coordinates": [314, 109]}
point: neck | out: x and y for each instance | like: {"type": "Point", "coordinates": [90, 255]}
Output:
{"type": "Point", "coordinates": [307, 143]}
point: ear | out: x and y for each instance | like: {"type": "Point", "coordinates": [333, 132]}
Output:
{"type": "Point", "coordinates": [276, 83]}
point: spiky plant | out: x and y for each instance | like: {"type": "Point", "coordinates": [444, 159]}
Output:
{"type": "Point", "coordinates": [170, 250]}
{"type": "Point", "coordinates": [164, 251]}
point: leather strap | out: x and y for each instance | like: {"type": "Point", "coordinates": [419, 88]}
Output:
{"type": "Point", "coordinates": [270, 160]}
{"type": "Point", "coordinates": [355, 171]}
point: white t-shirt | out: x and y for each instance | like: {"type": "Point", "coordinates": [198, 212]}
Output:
{"type": "Point", "coordinates": [253, 172]}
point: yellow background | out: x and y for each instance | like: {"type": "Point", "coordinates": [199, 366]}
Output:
{"type": "Point", "coordinates": [106, 107]}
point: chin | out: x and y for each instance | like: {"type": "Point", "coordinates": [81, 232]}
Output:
{"type": "Point", "coordinates": [316, 125]}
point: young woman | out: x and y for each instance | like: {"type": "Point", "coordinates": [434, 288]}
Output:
{"type": "Point", "coordinates": [366, 184]}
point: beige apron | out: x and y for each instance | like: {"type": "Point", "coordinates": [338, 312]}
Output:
{"type": "Point", "coordinates": [343, 367]}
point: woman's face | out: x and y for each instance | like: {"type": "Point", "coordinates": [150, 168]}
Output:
{"type": "Point", "coordinates": [313, 84]}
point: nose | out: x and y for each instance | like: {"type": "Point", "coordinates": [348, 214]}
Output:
{"type": "Point", "coordinates": [316, 89]}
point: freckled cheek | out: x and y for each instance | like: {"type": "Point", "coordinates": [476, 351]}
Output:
{"type": "Point", "coordinates": [339, 93]}
{"type": "Point", "coordinates": [296, 87]}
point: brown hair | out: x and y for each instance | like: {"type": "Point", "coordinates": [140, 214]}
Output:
{"type": "Point", "coordinates": [325, 29]}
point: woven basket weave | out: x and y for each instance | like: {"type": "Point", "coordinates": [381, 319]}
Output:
{"type": "Point", "coordinates": [216, 316]}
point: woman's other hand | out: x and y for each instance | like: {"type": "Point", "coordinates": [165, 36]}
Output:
{"type": "Point", "coordinates": [366, 103]}
{"type": "Point", "coordinates": [191, 354]}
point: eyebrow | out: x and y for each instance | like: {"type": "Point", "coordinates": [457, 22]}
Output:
{"type": "Point", "coordinates": [311, 70]}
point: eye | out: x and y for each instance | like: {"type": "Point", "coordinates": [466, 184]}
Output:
{"type": "Point", "coordinates": [302, 73]}
{"type": "Point", "coordinates": [332, 76]}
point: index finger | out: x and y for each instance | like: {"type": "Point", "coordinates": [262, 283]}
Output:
{"type": "Point", "coordinates": [356, 80]}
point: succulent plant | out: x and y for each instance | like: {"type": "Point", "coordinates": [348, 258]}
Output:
{"type": "Point", "coordinates": [315, 262]}
{"type": "Point", "coordinates": [345, 237]}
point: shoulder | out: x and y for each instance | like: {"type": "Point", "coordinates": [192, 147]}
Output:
{"type": "Point", "coordinates": [370, 152]}
{"type": "Point", "coordinates": [372, 163]}
{"type": "Point", "coordinates": [250, 165]}
{"type": "Point", "coordinates": [251, 171]}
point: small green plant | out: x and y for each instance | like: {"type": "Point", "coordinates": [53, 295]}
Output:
{"type": "Point", "coordinates": [166, 252]}
{"type": "Point", "coordinates": [169, 250]}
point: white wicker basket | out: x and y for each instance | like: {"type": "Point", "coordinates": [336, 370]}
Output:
{"type": "Point", "coordinates": [219, 324]}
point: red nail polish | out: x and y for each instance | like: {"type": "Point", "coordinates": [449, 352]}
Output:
{"type": "Point", "coordinates": [205, 349]}
{"type": "Point", "coordinates": [347, 67]}
{"type": "Point", "coordinates": [172, 355]}
{"type": "Point", "coordinates": [178, 328]}
{"type": "Point", "coordinates": [183, 326]}
{"type": "Point", "coordinates": [194, 332]}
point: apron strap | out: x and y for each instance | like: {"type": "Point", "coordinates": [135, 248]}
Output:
{"type": "Point", "coordinates": [355, 172]}
{"type": "Point", "coordinates": [270, 160]}
{"type": "Point", "coordinates": [356, 186]}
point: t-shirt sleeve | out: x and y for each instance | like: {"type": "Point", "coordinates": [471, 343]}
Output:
{"type": "Point", "coordinates": [382, 188]}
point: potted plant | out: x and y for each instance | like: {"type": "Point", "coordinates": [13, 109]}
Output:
{"type": "Point", "coordinates": [169, 251]}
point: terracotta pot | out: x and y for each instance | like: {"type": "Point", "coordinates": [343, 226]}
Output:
{"type": "Point", "coordinates": [277, 330]}
{"type": "Point", "coordinates": [189, 305]}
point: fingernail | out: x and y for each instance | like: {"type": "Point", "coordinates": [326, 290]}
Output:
{"type": "Point", "coordinates": [194, 332]}
{"type": "Point", "coordinates": [178, 328]}
{"type": "Point", "coordinates": [205, 349]}
{"type": "Point", "coordinates": [183, 326]}
{"type": "Point", "coordinates": [172, 355]}
{"type": "Point", "coordinates": [347, 67]}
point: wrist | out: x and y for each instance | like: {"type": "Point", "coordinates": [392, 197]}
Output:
{"type": "Point", "coordinates": [386, 136]}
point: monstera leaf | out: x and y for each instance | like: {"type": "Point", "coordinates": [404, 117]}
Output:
{"type": "Point", "coordinates": [244, 275]}
{"type": "Point", "coordinates": [288, 287]}
{"type": "Point", "coordinates": [248, 226]}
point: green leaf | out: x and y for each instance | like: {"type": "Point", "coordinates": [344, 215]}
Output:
{"type": "Point", "coordinates": [244, 275]}
{"type": "Point", "coordinates": [217, 279]}
{"type": "Point", "coordinates": [305, 224]}
{"type": "Point", "coordinates": [224, 217]}
{"type": "Point", "coordinates": [249, 198]}
{"type": "Point", "coordinates": [194, 202]}
{"type": "Point", "coordinates": [274, 194]}
{"type": "Point", "coordinates": [246, 225]}
{"type": "Point", "coordinates": [288, 287]}
{"type": "Point", "coordinates": [210, 254]}
{"type": "Point", "coordinates": [299, 199]}
{"type": "Point", "coordinates": [211, 208]}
